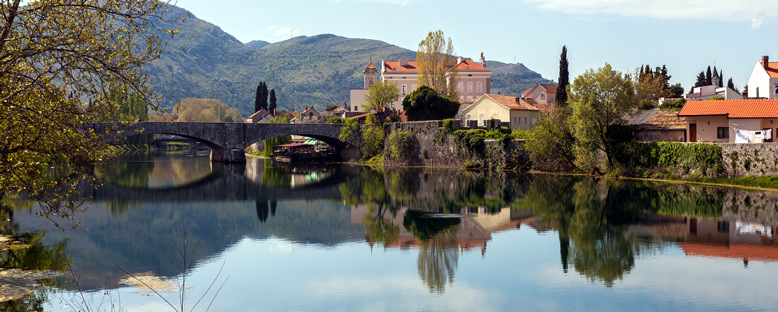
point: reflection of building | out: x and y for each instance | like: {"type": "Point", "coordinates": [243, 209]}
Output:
{"type": "Point", "coordinates": [474, 230]}
{"type": "Point", "coordinates": [712, 238]}
{"type": "Point", "coordinates": [724, 239]}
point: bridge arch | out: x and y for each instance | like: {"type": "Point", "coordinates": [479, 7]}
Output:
{"type": "Point", "coordinates": [228, 140]}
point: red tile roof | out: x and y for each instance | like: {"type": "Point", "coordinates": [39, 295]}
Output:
{"type": "Point", "coordinates": [512, 102]}
{"type": "Point", "coordinates": [549, 88]}
{"type": "Point", "coordinates": [765, 108]}
{"type": "Point", "coordinates": [370, 66]}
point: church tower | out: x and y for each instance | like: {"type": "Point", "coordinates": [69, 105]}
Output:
{"type": "Point", "coordinates": [715, 80]}
{"type": "Point", "coordinates": [371, 75]}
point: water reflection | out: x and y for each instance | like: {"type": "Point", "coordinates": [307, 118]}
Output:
{"type": "Point", "coordinates": [605, 228]}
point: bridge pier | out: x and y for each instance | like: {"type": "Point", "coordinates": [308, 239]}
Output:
{"type": "Point", "coordinates": [228, 155]}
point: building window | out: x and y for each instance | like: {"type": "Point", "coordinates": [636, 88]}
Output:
{"type": "Point", "coordinates": [469, 87]}
{"type": "Point", "coordinates": [413, 87]}
{"type": "Point", "coordinates": [722, 132]}
{"type": "Point", "coordinates": [356, 108]}
{"type": "Point", "coordinates": [516, 121]}
{"type": "Point", "coordinates": [404, 91]}
{"type": "Point", "coordinates": [461, 89]}
{"type": "Point", "coordinates": [479, 87]}
{"type": "Point", "coordinates": [542, 96]}
{"type": "Point", "coordinates": [467, 120]}
{"type": "Point", "coordinates": [525, 120]}
{"type": "Point", "coordinates": [534, 121]}
{"type": "Point", "coordinates": [776, 89]}
{"type": "Point", "coordinates": [481, 120]}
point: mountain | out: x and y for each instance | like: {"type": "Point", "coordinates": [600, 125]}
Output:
{"type": "Point", "coordinates": [204, 61]}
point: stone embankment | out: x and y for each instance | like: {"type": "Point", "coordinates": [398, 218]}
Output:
{"type": "Point", "coordinates": [436, 146]}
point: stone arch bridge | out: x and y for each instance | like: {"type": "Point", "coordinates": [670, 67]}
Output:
{"type": "Point", "coordinates": [228, 140]}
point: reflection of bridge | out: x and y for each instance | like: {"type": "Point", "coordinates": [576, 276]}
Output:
{"type": "Point", "coordinates": [228, 140]}
{"type": "Point", "coordinates": [226, 183]}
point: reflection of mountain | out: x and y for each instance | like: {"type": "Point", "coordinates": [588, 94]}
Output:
{"type": "Point", "coordinates": [145, 238]}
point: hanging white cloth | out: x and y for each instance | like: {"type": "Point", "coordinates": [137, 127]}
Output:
{"type": "Point", "coordinates": [768, 134]}
{"type": "Point", "coordinates": [741, 136]}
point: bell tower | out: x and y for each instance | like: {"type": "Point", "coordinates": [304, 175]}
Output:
{"type": "Point", "coordinates": [371, 75]}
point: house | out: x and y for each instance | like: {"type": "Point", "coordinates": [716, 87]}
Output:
{"type": "Point", "coordinates": [516, 111]}
{"type": "Point", "coordinates": [473, 80]}
{"type": "Point", "coordinates": [754, 120]}
{"type": "Point", "coordinates": [257, 116]}
{"type": "Point", "coordinates": [763, 82]}
{"type": "Point", "coordinates": [542, 94]}
{"type": "Point", "coordinates": [310, 115]}
{"type": "Point", "coordinates": [656, 125]}
{"type": "Point", "coordinates": [706, 92]}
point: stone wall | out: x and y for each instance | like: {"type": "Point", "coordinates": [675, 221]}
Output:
{"type": "Point", "coordinates": [436, 147]}
{"type": "Point", "coordinates": [750, 159]}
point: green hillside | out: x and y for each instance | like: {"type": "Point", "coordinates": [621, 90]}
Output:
{"type": "Point", "coordinates": [203, 61]}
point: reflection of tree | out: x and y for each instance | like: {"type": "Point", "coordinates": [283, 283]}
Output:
{"type": "Point", "coordinates": [378, 228]}
{"type": "Point", "coordinates": [605, 258]}
{"type": "Point", "coordinates": [438, 260]}
{"type": "Point", "coordinates": [266, 209]}
{"type": "Point", "coordinates": [275, 175]}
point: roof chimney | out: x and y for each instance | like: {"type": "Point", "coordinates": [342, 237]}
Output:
{"type": "Point", "coordinates": [765, 61]}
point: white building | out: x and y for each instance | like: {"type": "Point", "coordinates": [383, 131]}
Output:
{"type": "Point", "coordinates": [763, 82]}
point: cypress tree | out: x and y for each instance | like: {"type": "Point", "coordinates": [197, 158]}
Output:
{"type": "Point", "coordinates": [564, 79]}
{"type": "Point", "coordinates": [730, 84]}
{"type": "Point", "coordinates": [708, 77]}
{"type": "Point", "coordinates": [272, 107]}
{"type": "Point", "coordinates": [257, 97]}
{"type": "Point", "coordinates": [263, 100]}
{"type": "Point", "coordinates": [721, 78]}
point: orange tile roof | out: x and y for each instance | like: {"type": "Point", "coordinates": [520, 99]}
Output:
{"type": "Point", "coordinates": [549, 88]}
{"type": "Point", "coordinates": [469, 65]}
{"type": "Point", "coordinates": [772, 69]}
{"type": "Point", "coordinates": [512, 102]}
{"type": "Point", "coordinates": [764, 108]}
{"type": "Point", "coordinates": [370, 66]}
{"type": "Point", "coordinates": [394, 66]}
{"type": "Point", "coordinates": [411, 67]}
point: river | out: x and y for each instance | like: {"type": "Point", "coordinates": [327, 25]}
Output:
{"type": "Point", "coordinates": [280, 237]}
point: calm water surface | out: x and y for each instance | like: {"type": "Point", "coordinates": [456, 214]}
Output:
{"type": "Point", "coordinates": [271, 237]}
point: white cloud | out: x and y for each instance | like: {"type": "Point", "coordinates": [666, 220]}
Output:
{"type": "Point", "coordinates": [754, 11]}
{"type": "Point", "coordinates": [279, 31]}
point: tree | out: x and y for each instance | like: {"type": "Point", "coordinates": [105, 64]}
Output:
{"type": "Point", "coordinates": [331, 107]}
{"type": "Point", "coordinates": [651, 85]}
{"type": "Point", "coordinates": [434, 59]}
{"type": "Point", "coordinates": [381, 95]}
{"type": "Point", "coordinates": [260, 101]}
{"type": "Point", "coordinates": [426, 104]}
{"type": "Point", "coordinates": [701, 81]}
{"type": "Point", "coordinates": [708, 77]}
{"type": "Point", "coordinates": [676, 90]}
{"type": "Point", "coordinates": [600, 99]}
{"type": "Point", "coordinates": [206, 110]}
{"type": "Point", "coordinates": [564, 79]}
{"type": "Point", "coordinates": [731, 84]}
{"type": "Point", "coordinates": [56, 56]}
{"type": "Point", "coordinates": [272, 107]}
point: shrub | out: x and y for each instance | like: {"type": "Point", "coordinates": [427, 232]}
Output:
{"type": "Point", "coordinates": [400, 145]}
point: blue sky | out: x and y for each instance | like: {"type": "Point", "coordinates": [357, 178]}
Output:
{"type": "Point", "coordinates": [684, 35]}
